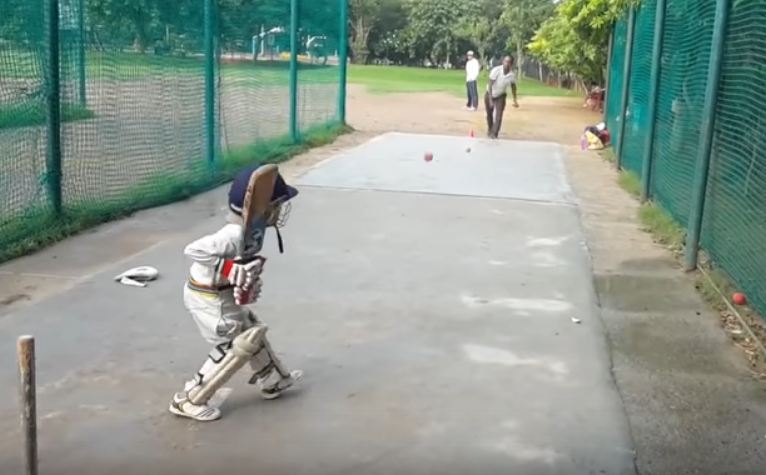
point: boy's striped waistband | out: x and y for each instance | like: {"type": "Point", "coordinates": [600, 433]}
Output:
{"type": "Point", "coordinates": [207, 289]}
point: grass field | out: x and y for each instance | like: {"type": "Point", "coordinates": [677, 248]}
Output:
{"type": "Point", "coordinates": [122, 66]}
{"type": "Point", "coordinates": [35, 113]}
{"type": "Point", "coordinates": [389, 79]}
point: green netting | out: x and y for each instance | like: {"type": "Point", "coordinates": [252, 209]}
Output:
{"type": "Point", "coordinates": [614, 88]}
{"type": "Point", "coordinates": [147, 100]}
{"type": "Point", "coordinates": [734, 231]}
{"type": "Point", "coordinates": [254, 72]}
{"type": "Point", "coordinates": [319, 69]}
{"type": "Point", "coordinates": [734, 224]}
{"type": "Point", "coordinates": [23, 139]}
{"type": "Point", "coordinates": [636, 118]}
{"type": "Point", "coordinates": [133, 102]}
{"type": "Point", "coordinates": [683, 74]}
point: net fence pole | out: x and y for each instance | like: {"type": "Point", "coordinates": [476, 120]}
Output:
{"type": "Point", "coordinates": [343, 58]}
{"type": "Point", "coordinates": [81, 53]}
{"type": "Point", "coordinates": [294, 5]}
{"type": "Point", "coordinates": [699, 189]}
{"type": "Point", "coordinates": [654, 87]}
{"type": "Point", "coordinates": [626, 82]}
{"type": "Point", "coordinates": [209, 48]}
{"type": "Point", "coordinates": [25, 352]}
{"type": "Point", "coordinates": [607, 79]}
{"type": "Point", "coordinates": [53, 122]}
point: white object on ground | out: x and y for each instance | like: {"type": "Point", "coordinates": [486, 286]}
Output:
{"type": "Point", "coordinates": [131, 283]}
{"type": "Point", "coordinates": [138, 276]}
{"type": "Point", "coordinates": [576, 320]}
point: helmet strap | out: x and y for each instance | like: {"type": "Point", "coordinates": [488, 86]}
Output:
{"type": "Point", "coordinates": [279, 241]}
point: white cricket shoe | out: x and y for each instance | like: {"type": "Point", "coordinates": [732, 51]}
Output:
{"type": "Point", "coordinates": [283, 385]}
{"type": "Point", "coordinates": [182, 407]}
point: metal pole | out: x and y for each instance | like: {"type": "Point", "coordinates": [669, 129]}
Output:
{"type": "Point", "coordinates": [609, 52]}
{"type": "Point", "coordinates": [294, 6]}
{"type": "Point", "coordinates": [81, 63]}
{"type": "Point", "coordinates": [209, 19]}
{"type": "Point", "coordinates": [654, 89]}
{"type": "Point", "coordinates": [25, 352]}
{"type": "Point", "coordinates": [262, 40]}
{"type": "Point", "coordinates": [708, 122]}
{"type": "Point", "coordinates": [626, 82]}
{"type": "Point", "coordinates": [343, 58]}
{"type": "Point", "coordinates": [53, 81]}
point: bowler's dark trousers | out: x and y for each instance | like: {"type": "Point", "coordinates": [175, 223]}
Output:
{"type": "Point", "coordinates": [494, 113]}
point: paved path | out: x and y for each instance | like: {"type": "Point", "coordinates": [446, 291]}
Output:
{"type": "Point", "coordinates": [430, 305]}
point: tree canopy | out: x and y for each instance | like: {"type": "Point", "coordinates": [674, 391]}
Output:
{"type": "Point", "coordinates": [576, 37]}
{"type": "Point", "coordinates": [568, 35]}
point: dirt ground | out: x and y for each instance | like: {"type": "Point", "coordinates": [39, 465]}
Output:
{"type": "Point", "coordinates": [538, 118]}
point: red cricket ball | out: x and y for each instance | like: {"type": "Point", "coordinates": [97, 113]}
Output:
{"type": "Point", "coordinates": [428, 157]}
{"type": "Point", "coordinates": [738, 298]}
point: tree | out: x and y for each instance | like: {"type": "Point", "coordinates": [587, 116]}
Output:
{"type": "Point", "coordinates": [385, 40]}
{"type": "Point", "coordinates": [430, 32]}
{"type": "Point", "coordinates": [523, 18]}
{"type": "Point", "coordinates": [124, 19]}
{"type": "Point", "coordinates": [319, 17]}
{"type": "Point", "coordinates": [22, 20]}
{"type": "Point", "coordinates": [478, 32]}
{"type": "Point", "coordinates": [575, 38]}
{"type": "Point", "coordinates": [479, 27]}
{"type": "Point", "coordinates": [592, 20]}
{"type": "Point", "coordinates": [364, 14]}
{"type": "Point", "coordinates": [557, 45]}
{"type": "Point", "coordinates": [181, 22]}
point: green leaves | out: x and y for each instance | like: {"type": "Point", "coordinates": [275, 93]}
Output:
{"type": "Point", "coordinates": [576, 38]}
{"type": "Point", "coordinates": [570, 36]}
{"type": "Point", "coordinates": [430, 32]}
{"type": "Point", "coordinates": [524, 17]}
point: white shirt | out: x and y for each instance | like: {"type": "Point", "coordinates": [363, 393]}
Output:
{"type": "Point", "coordinates": [472, 68]}
{"type": "Point", "coordinates": [208, 252]}
{"type": "Point", "coordinates": [502, 81]}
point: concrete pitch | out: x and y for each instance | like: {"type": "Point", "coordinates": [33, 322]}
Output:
{"type": "Point", "coordinates": [461, 166]}
{"type": "Point", "coordinates": [435, 330]}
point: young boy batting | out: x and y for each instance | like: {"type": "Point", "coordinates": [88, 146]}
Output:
{"type": "Point", "coordinates": [224, 278]}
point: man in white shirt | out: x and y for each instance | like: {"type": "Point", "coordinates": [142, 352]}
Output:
{"type": "Point", "coordinates": [472, 69]}
{"type": "Point", "coordinates": [500, 79]}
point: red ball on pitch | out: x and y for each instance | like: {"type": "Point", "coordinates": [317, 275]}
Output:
{"type": "Point", "coordinates": [738, 298]}
{"type": "Point", "coordinates": [428, 156]}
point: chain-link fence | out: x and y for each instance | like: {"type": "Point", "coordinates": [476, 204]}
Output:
{"type": "Point", "coordinates": [108, 106]}
{"type": "Point", "coordinates": [701, 129]}
{"type": "Point", "coordinates": [539, 71]}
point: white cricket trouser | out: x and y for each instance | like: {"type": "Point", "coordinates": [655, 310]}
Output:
{"type": "Point", "coordinates": [220, 320]}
